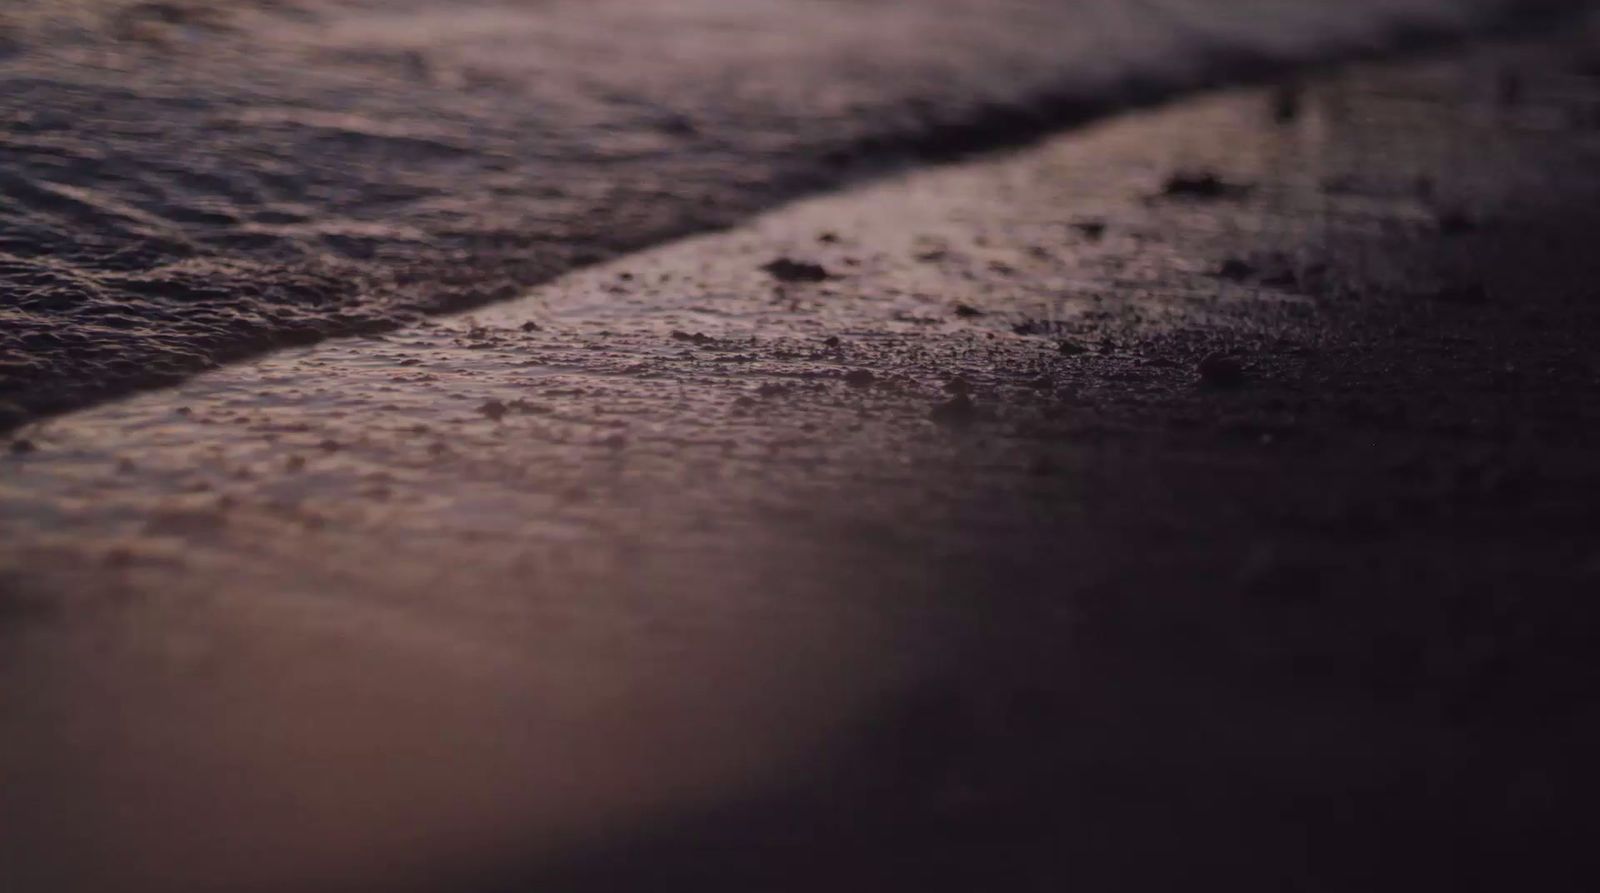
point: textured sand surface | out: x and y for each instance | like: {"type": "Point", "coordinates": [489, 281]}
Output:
{"type": "Point", "coordinates": [184, 183]}
{"type": "Point", "coordinates": [1206, 495]}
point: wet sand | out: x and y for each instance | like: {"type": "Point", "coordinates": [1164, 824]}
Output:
{"type": "Point", "coordinates": [1209, 494]}
{"type": "Point", "coordinates": [187, 183]}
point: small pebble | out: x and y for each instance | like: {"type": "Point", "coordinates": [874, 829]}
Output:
{"type": "Point", "coordinates": [788, 270]}
{"type": "Point", "coordinates": [1221, 371]}
{"type": "Point", "coordinates": [1235, 270]}
{"type": "Point", "coordinates": [1201, 186]}
{"type": "Point", "coordinates": [1286, 104]}
{"type": "Point", "coordinates": [1092, 230]}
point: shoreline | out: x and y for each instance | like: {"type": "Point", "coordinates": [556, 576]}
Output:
{"type": "Point", "coordinates": [386, 184]}
{"type": "Point", "coordinates": [1198, 494]}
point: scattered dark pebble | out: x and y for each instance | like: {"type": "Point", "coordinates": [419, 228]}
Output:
{"type": "Point", "coordinates": [184, 411]}
{"type": "Point", "coordinates": [494, 409]}
{"type": "Point", "coordinates": [1235, 270]}
{"type": "Point", "coordinates": [294, 463]}
{"type": "Point", "coordinates": [330, 446]}
{"type": "Point", "coordinates": [828, 238]}
{"type": "Point", "coordinates": [1221, 371]}
{"type": "Point", "coordinates": [1286, 101]}
{"type": "Point", "coordinates": [615, 442]}
{"type": "Point", "coordinates": [531, 326]}
{"type": "Point", "coordinates": [1203, 185]}
{"type": "Point", "coordinates": [958, 410]}
{"type": "Point", "coordinates": [696, 338]}
{"type": "Point", "coordinates": [860, 378]}
{"type": "Point", "coordinates": [1093, 230]}
{"type": "Point", "coordinates": [832, 341]}
{"type": "Point", "coordinates": [967, 311]}
{"type": "Point", "coordinates": [788, 270]}
{"type": "Point", "coordinates": [1071, 349]}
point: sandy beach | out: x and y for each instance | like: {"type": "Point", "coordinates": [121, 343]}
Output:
{"type": "Point", "coordinates": [1207, 493]}
{"type": "Point", "coordinates": [188, 183]}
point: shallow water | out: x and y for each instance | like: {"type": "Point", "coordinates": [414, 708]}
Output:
{"type": "Point", "coordinates": [189, 182]}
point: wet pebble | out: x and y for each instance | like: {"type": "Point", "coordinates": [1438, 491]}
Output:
{"type": "Point", "coordinates": [1201, 185]}
{"type": "Point", "coordinates": [1286, 102]}
{"type": "Point", "coordinates": [1221, 371]}
{"type": "Point", "coordinates": [1235, 270]}
{"type": "Point", "coordinates": [786, 269]}
{"type": "Point", "coordinates": [1093, 230]}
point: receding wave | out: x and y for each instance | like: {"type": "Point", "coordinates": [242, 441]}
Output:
{"type": "Point", "coordinates": [185, 182]}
